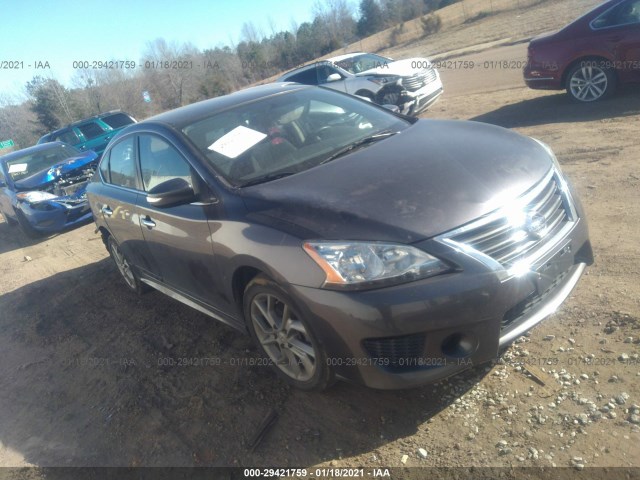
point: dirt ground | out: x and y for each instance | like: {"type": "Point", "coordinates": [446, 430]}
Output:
{"type": "Point", "coordinates": [91, 376]}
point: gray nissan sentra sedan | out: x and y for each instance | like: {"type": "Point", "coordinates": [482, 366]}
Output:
{"type": "Point", "coordinates": [350, 242]}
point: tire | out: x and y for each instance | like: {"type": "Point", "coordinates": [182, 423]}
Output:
{"type": "Point", "coordinates": [26, 227]}
{"type": "Point", "coordinates": [589, 81]}
{"type": "Point", "coordinates": [284, 337]}
{"type": "Point", "coordinates": [127, 272]}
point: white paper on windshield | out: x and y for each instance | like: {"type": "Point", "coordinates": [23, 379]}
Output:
{"type": "Point", "coordinates": [237, 141]}
{"type": "Point", "coordinates": [18, 168]}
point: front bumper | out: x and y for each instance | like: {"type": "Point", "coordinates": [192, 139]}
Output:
{"type": "Point", "coordinates": [57, 216]}
{"type": "Point", "coordinates": [412, 103]}
{"type": "Point", "coordinates": [420, 332]}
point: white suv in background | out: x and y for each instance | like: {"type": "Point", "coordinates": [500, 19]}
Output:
{"type": "Point", "coordinates": [411, 85]}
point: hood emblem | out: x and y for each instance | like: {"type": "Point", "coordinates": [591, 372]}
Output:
{"type": "Point", "coordinates": [535, 224]}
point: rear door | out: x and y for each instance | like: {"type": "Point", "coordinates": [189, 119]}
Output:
{"type": "Point", "coordinates": [96, 135]}
{"type": "Point", "coordinates": [178, 237]}
{"type": "Point", "coordinates": [115, 200]}
{"type": "Point", "coordinates": [629, 47]}
{"type": "Point", "coordinates": [618, 32]}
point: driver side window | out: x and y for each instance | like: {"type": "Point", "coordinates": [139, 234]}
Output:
{"type": "Point", "coordinates": [160, 161]}
{"type": "Point", "coordinates": [323, 73]}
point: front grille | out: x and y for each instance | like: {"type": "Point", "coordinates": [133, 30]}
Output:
{"type": "Point", "coordinates": [397, 353]}
{"type": "Point", "coordinates": [419, 80]}
{"type": "Point", "coordinates": [508, 239]}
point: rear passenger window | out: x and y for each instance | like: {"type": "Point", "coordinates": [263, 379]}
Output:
{"type": "Point", "coordinates": [160, 161]}
{"type": "Point", "coordinates": [122, 164]}
{"type": "Point", "coordinates": [117, 120]}
{"type": "Point", "coordinates": [91, 130]}
{"type": "Point", "coordinates": [69, 137]}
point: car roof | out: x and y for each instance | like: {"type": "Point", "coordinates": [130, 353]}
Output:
{"type": "Point", "coordinates": [31, 150]}
{"type": "Point", "coordinates": [325, 60]}
{"type": "Point", "coordinates": [183, 116]}
{"type": "Point", "coordinates": [345, 56]}
{"type": "Point", "coordinates": [84, 120]}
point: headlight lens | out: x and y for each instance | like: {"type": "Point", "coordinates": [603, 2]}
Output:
{"type": "Point", "coordinates": [384, 80]}
{"type": "Point", "coordinates": [360, 264]}
{"type": "Point", "coordinates": [563, 183]}
{"type": "Point", "coordinates": [35, 197]}
{"type": "Point", "coordinates": [550, 152]}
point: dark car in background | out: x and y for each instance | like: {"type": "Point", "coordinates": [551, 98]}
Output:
{"type": "Point", "coordinates": [591, 56]}
{"type": "Point", "coordinates": [349, 241]}
{"type": "Point", "coordinates": [43, 188]}
{"type": "Point", "coordinates": [91, 133]}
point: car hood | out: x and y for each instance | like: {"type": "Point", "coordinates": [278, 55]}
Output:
{"type": "Point", "coordinates": [430, 178]}
{"type": "Point", "coordinates": [402, 68]}
{"type": "Point", "coordinates": [57, 171]}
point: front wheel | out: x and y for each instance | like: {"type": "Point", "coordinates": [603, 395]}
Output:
{"type": "Point", "coordinates": [26, 227]}
{"type": "Point", "coordinates": [284, 336]}
{"type": "Point", "coordinates": [589, 81]}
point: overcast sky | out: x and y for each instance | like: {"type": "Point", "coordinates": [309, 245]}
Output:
{"type": "Point", "coordinates": [63, 31]}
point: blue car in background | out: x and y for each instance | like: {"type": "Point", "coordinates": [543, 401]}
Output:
{"type": "Point", "coordinates": [43, 188]}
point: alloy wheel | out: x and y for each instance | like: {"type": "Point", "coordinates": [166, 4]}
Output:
{"type": "Point", "coordinates": [283, 337]}
{"type": "Point", "coordinates": [589, 83]}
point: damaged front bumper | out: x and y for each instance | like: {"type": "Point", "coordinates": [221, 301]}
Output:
{"type": "Point", "coordinates": [58, 213]}
{"type": "Point", "coordinates": [411, 102]}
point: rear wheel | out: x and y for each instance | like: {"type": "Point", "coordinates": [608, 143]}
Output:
{"type": "Point", "coordinates": [590, 81]}
{"type": "Point", "coordinates": [284, 336]}
{"type": "Point", "coordinates": [124, 267]}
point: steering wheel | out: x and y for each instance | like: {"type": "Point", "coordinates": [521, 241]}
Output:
{"type": "Point", "coordinates": [320, 134]}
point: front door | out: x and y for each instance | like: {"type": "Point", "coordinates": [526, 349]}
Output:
{"type": "Point", "coordinates": [178, 237]}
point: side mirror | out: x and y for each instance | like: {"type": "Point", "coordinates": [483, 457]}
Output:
{"type": "Point", "coordinates": [334, 77]}
{"type": "Point", "coordinates": [176, 191]}
{"type": "Point", "coordinates": [2, 183]}
{"type": "Point", "coordinates": [393, 108]}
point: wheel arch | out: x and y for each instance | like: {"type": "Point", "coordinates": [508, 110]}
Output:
{"type": "Point", "coordinates": [239, 281]}
{"type": "Point", "coordinates": [105, 234]}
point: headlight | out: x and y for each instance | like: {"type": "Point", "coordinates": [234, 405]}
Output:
{"type": "Point", "coordinates": [360, 264]}
{"type": "Point", "coordinates": [385, 80]}
{"type": "Point", "coordinates": [35, 197]}
{"type": "Point", "coordinates": [563, 183]}
{"type": "Point", "coordinates": [550, 152]}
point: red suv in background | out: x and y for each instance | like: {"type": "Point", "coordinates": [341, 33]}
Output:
{"type": "Point", "coordinates": [590, 56]}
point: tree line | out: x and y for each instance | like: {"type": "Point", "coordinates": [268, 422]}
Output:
{"type": "Point", "coordinates": [170, 75]}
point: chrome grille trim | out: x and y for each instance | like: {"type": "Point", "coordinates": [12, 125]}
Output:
{"type": "Point", "coordinates": [419, 80]}
{"type": "Point", "coordinates": [494, 242]}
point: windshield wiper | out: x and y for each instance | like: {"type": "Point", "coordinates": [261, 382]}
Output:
{"type": "Point", "coordinates": [359, 143]}
{"type": "Point", "coordinates": [266, 178]}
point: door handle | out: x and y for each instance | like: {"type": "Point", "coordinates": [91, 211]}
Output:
{"type": "Point", "coordinates": [147, 222]}
{"type": "Point", "coordinates": [106, 211]}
